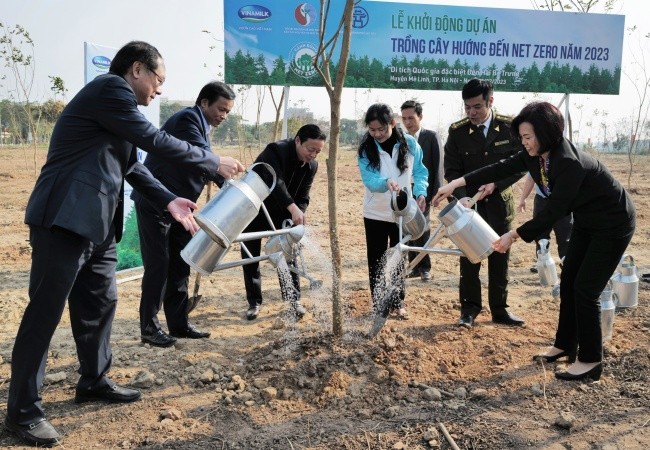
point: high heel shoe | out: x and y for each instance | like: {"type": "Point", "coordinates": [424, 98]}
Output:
{"type": "Point", "coordinates": [593, 373]}
{"type": "Point", "coordinates": [549, 359]}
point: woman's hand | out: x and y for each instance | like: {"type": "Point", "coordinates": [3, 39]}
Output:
{"type": "Point", "coordinates": [443, 192]}
{"type": "Point", "coordinates": [422, 202]}
{"type": "Point", "coordinates": [521, 207]}
{"type": "Point", "coordinates": [505, 242]}
{"type": "Point", "coordinates": [392, 185]}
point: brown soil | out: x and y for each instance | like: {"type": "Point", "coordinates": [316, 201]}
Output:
{"type": "Point", "coordinates": [276, 384]}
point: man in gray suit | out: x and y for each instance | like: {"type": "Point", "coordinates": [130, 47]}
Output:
{"type": "Point", "coordinates": [75, 218]}
{"type": "Point", "coordinates": [432, 160]}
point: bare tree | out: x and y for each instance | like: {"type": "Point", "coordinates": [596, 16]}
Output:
{"type": "Point", "coordinates": [637, 73]}
{"type": "Point", "coordinates": [574, 5]}
{"type": "Point", "coordinates": [334, 89]}
{"type": "Point", "coordinates": [17, 55]}
{"type": "Point", "coordinates": [278, 109]}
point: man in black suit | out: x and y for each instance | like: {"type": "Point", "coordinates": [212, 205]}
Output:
{"type": "Point", "coordinates": [75, 218]}
{"type": "Point", "coordinates": [295, 165]}
{"type": "Point", "coordinates": [166, 275]}
{"type": "Point", "coordinates": [480, 139]}
{"type": "Point", "coordinates": [432, 160]}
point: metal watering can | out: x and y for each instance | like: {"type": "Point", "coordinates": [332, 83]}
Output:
{"type": "Point", "coordinates": [202, 253]}
{"type": "Point", "coordinates": [407, 213]}
{"type": "Point", "coordinates": [625, 282]}
{"type": "Point", "coordinates": [288, 245]}
{"type": "Point", "coordinates": [468, 230]}
{"type": "Point", "coordinates": [224, 218]}
{"type": "Point", "coordinates": [284, 243]}
{"type": "Point", "coordinates": [546, 265]}
{"type": "Point", "coordinates": [464, 226]}
{"type": "Point", "coordinates": [607, 311]}
{"type": "Point", "coordinates": [236, 205]}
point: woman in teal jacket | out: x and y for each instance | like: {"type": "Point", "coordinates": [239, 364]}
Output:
{"type": "Point", "coordinates": [389, 160]}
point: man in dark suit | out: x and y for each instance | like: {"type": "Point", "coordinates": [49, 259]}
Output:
{"type": "Point", "coordinates": [481, 139]}
{"type": "Point", "coordinates": [432, 160]}
{"type": "Point", "coordinates": [295, 166]}
{"type": "Point", "coordinates": [75, 218]}
{"type": "Point", "coordinates": [166, 275]}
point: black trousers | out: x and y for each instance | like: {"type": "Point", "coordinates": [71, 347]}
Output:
{"type": "Point", "coordinates": [166, 275]}
{"type": "Point", "coordinates": [425, 263]}
{"type": "Point", "coordinates": [561, 228]}
{"type": "Point", "coordinates": [589, 263]}
{"type": "Point", "coordinates": [64, 266]}
{"type": "Point", "coordinates": [380, 236]}
{"type": "Point", "coordinates": [289, 281]}
{"type": "Point", "coordinates": [496, 213]}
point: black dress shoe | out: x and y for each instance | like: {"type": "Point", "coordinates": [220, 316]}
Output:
{"type": "Point", "coordinates": [549, 359]}
{"type": "Point", "coordinates": [507, 318]}
{"type": "Point", "coordinates": [40, 433]}
{"type": "Point", "coordinates": [190, 332]}
{"type": "Point", "coordinates": [593, 373]}
{"type": "Point", "coordinates": [158, 338]}
{"type": "Point", "coordinates": [111, 394]}
{"type": "Point", "coordinates": [466, 320]}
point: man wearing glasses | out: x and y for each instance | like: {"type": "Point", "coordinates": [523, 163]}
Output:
{"type": "Point", "coordinates": [75, 219]}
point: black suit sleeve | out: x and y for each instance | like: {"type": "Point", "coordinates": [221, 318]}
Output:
{"type": "Point", "coordinates": [120, 116]}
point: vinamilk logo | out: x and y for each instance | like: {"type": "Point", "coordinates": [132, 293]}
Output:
{"type": "Point", "coordinates": [254, 13]}
{"type": "Point", "coordinates": [101, 62]}
{"type": "Point", "coordinates": [305, 14]}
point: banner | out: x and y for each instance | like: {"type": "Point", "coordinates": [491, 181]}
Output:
{"type": "Point", "coordinates": [429, 47]}
{"type": "Point", "coordinates": [97, 61]}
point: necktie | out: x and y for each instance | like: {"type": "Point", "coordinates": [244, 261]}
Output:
{"type": "Point", "coordinates": [481, 132]}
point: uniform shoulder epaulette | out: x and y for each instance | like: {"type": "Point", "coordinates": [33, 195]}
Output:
{"type": "Point", "coordinates": [460, 123]}
{"type": "Point", "coordinates": [503, 118]}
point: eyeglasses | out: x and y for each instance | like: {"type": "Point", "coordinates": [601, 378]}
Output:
{"type": "Point", "coordinates": [160, 79]}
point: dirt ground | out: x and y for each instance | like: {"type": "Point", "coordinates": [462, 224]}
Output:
{"type": "Point", "coordinates": [276, 384]}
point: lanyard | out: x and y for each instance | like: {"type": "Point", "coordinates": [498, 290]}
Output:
{"type": "Point", "coordinates": [544, 167]}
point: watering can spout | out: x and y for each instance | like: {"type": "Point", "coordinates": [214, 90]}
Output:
{"type": "Point", "coordinates": [296, 234]}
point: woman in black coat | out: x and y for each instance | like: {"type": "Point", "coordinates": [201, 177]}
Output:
{"type": "Point", "coordinates": [604, 221]}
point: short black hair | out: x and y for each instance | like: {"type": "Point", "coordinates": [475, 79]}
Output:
{"type": "Point", "coordinates": [547, 121]}
{"type": "Point", "coordinates": [417, 106]}
{"type": "Point", "coordinates": [475, 87]}
{"type": "Point", "coordinates": [213, 90]}
{"type": "Point", "coordinates": [310, 131]}
{"type": "Point", "coordinates": [134, 51]}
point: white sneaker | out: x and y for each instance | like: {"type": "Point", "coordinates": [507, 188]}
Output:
{"type": "Point", "coordinates": [298, 310]}
{"type": "Point", "coordinates": [253, 312]}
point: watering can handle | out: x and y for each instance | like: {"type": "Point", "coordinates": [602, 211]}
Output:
{"type": "Point", "coordinates": [472, 201]}
{"type": "Point", "coordinates": [270, 169]}
{"type": "Point", "coordinates": [287, 223]}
